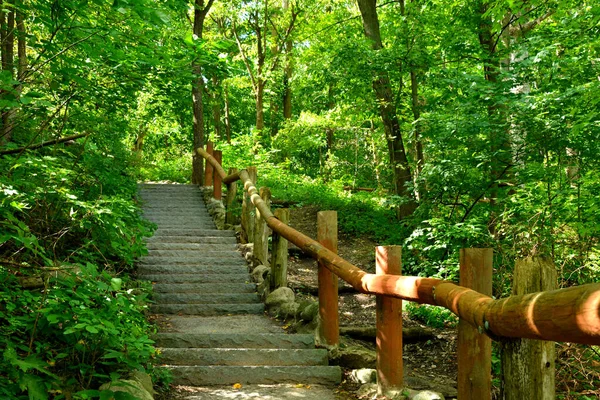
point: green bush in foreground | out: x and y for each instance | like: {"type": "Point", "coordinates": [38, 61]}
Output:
{"type": "Point", "coordinates": [83, 329]}
{"type": "Point", "coordinates": [69, 221]}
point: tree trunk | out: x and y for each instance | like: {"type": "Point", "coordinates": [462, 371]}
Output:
{"type": "Point", "coordinates": [387, 111]}
{"type": "Point", "coordinates": [138, 146]}
{"type": "Point", "coordinates": [227, 116]}
{"type": "Point", "coordinates": [287, 73]}
{"type": "Point", "coordinates": [21, 47]}
{"type": "Point", "coordinates": [8, 65]}
{"type": "Point", "coordinates": [216, 108]}
{"type": "Point", "coordinates": [260, 99]}
{"type": "Point", "coordinates": [197, 165]}
{"type": "Point", "coordinates": [414, 86]}
{"type": "Point", "coordinates": [498, 136]}
{"type": "Point", "coordinates": [200, 12]}
{"type": "Point", "coordinates": [329, 133]}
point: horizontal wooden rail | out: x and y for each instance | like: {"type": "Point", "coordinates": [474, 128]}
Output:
{"type": "Point", "coordinates": [563, 315]}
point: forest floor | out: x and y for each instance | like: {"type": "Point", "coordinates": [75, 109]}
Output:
{"type": "Point", "coordinates": [433, 360]}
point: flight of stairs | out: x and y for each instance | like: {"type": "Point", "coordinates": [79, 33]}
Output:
{"type": "Point", "coordinates": [216, 332]}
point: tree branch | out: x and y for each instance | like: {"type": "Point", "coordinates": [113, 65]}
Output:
{"type": "Point", "coordinates": [43, 144]}
{"type": "Point", "coordinates": [243, 54]}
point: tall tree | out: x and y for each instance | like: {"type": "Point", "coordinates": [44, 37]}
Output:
{"type": "Point", "coordinates": [387, 110]}
{"type": "Point", "coordinates": [262, 24]}
{"type": "Point", "coordinates": [201, 9]}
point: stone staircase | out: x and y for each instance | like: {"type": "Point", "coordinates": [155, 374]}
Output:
{"type": "Point", "coordinates": [217, 332]}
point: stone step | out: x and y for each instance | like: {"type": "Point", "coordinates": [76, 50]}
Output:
{"type": "Point", "coordinates": [199, 247]}
{"type": "Point", "coordinates": [160, 185]}
{"type": "Point", "coordinates": [199, 260]}
{"type": "Point", "coordinates": [206, 298]}
{"type": "Point", "coordinates": [243, 340]}
{"type": "Point", "coordinates": [172, 199]}
{"type": "Point", "coordinates": [172, 203]}
{"type": "Point", "coordinates": [165, 269]}
{"type": "Point", "coordinates": [228, 375]}
{"type": "Point", "coordinates": [167, 194]}
{"type": "Point", "coordinates": [165, 205]}
{"type": "Point", "coordinates": [160, 232]}
{"type": "Point", "coordinates": [177, 213]}
{"type": "Point", "coordinates": [168, 188]}
{"type": "Point", "coordinates": [217, 251]}
{"type": "Point", "coordinates": [184, 225]}
{"type": "Point", "coordinates": [165, 217]}
{"type": "Point", "coordinates": [192, 239]}
{"type": "Point", "coordinates": [156, 206]}
{"type": "Point", "coordinates": [243, 357]}
{"type": "Point", "coordinates": [215, 287]}
{"type": "Point", "coordinates": [191, 223]}
{"type": "Point", "coordinates": [208, 309]}
{"type": "Point", "coordinates": [196, 278]}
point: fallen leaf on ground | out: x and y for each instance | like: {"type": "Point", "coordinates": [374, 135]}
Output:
{"type": "Point", "coordinates": [301, 385]}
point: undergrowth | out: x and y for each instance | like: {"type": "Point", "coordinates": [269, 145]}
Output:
{"type": "Point", "coordinates": [70, 230]}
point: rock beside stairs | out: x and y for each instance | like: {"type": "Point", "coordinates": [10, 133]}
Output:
{"type": "Point", "coordinates": [216, 331]}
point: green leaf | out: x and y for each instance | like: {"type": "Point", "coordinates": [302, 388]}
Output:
{"type": "Point", "coordinates": [35, 387]}
{"type": "Point", "coordinates": [116, 283]}
{"type": "Point", "coordinates": [91, 329]}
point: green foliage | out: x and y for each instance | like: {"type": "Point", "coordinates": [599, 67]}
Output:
{"type": "Point", "coordinates": [67, 208]}
{"type": "Point", "coordinates": [84, 328]}
{"type": "Point", "coordinates": [435, 317]}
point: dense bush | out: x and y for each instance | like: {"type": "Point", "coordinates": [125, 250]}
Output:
{"type": "Point", "coordinates": [69, 231]}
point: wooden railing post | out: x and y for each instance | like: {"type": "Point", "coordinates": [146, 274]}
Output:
{"type": "Point", "coordinates": [261, 231]}
{"type": "Point", "coordinates": [230, 199]}
{"type": "Point", "coordinates": [208, 170]}
{"type": "Point", "coordinates": [217, 189]}
{"type": "Point", "coordinates": [388, 261]}
{"type": "Point", "coordinates": [329, 330]}
{"type": "Point", "coordinates": [248, 211]}
{"type": "Point", "coordinates": [279, 256]}
{"type": "Point", "coordinates": [474, 347]}
{"type": "Point", "coordinates": [528, 365]}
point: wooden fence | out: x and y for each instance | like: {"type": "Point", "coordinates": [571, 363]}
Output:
{"type": "Point", "coordinates": [565, 315]}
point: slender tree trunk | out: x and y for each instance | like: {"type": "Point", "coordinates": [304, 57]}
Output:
{"type": "Point", "coordinates": [138, 146]}
{"type": "Point", "coordinates": [8, 46]}
{"type": "Point", "coordinates": [387, 111]}
{"type": "Point", "coordinates": [197, 165]}
{"type": "Point", "coordinates": [227, 116]}
{"type": "Point", "coordinates": [274, 111]}
{"type": "Point", "coordinates": [414, 86]}
{"type": "Point", "coordinates": [498, 136]}
{"type": "Point", "coordinates": [287, 73]}
{"type": "Point", "coordinates": [260, 100]}
{"type": "Point", "coordinates": [21, 46]}
{"type": "Point", "coordinates": [216, 108]}
{"type": "Point", "coordinates": [200, 12]}
{"type": "Point", "coordinates": [329, 132]}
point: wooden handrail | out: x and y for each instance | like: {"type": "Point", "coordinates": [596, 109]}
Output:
{"type": "Point", "coordinates": [563, 315]}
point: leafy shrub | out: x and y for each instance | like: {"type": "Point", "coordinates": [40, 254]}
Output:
{"type": "Point", "coordinates": [436, 317]}
{"type": "Point", "coordinates": [70, 213]}
{"type": "Point", "coordinates": [56, 209]}
{"type": "Point", "coordinates": [84, 328]}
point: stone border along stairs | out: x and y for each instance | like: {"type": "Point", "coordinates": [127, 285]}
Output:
{"type": "Point", "coordinates": [218, 333]}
